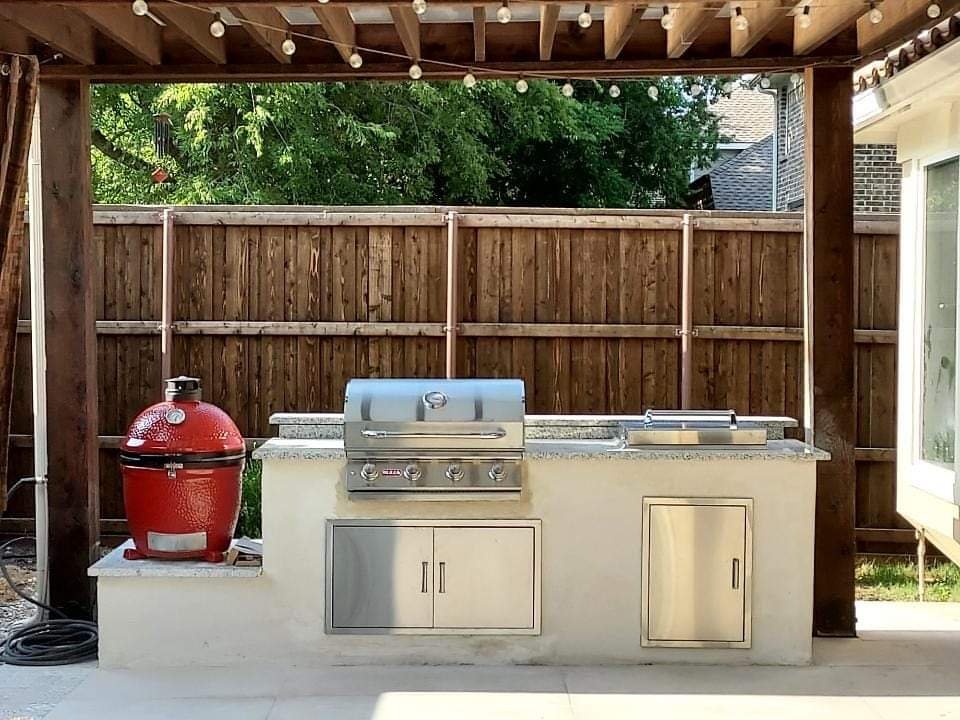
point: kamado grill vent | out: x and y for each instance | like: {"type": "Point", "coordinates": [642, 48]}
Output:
{"type": "Point", "coordinates": [434, 435]}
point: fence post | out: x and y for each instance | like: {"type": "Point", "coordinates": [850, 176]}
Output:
{"type": "Point", "coordinates": [453, 295]}
{"type": "Point", "coordinates": [166, 301]}
{"type": "Point", "coordinates": [686, 331]}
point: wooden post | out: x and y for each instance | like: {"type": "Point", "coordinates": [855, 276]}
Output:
{"type": "Point", "coordinates": [166, 301]}
{"type": "Point", "coordinates": [686, 331]}
{"type": "Point", "coordinates": [453, 295]}
{"type": "Point", "coordinates": [830, 392]}
{"type": "Point", "coordinates": [71, 341]}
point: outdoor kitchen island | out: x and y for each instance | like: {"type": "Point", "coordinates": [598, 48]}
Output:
{"type": "Point", "coordinates": [605, 555]}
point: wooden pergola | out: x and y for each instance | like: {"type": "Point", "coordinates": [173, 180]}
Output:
{"type": "Point", "coordinates": [84, 41]}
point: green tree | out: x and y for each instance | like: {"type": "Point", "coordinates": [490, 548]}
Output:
{"type": "Point", "coordinates": [403, 143]}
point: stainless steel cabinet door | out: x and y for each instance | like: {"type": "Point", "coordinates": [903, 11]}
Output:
{"type": "Point", "coordinates": [697, 579]}
{"type": "Point", "coordinates": [484, 577]}
{"type": "Point", "coordinates": [382, 577]}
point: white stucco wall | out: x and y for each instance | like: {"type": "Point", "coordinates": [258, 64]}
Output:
{"type": "Point", "coordinates": [591, 560]}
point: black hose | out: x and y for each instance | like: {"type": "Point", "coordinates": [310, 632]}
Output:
{"type": "Point", "coordinates": [59, 641]}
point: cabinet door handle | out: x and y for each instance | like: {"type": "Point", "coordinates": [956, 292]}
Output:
{"type": "Point", "coordinates": [736, 574]}
{"type": "Point", "coordinates": [423, 576]}
{"type": "Point", "coordinates": [443, 577]}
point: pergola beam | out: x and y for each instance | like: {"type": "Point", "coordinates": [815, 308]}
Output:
{"type": "Point", "coordinates": [140, 36]}
{"type": "Point", "coordinates": [549, 15]}
{"type": "Point", "coordinates": [13, 39]}
{"type": "Point", "coordinates": [194, 26]}
{"type": "Point", "coordinates": [63, 30]}
{"type": "Point", "coordinates": [620, 22]}
{"type": "Point", "coordinates": [689, 24]}
{"type": "Point", "coordinates": [407, 23]}
{"type": "Point", "coordinates": [827, 19]}
{"type": "Point", "coordinates": [479, 34]}
{"type": "Point", "coordinates": [262, 20]}
{"type": "Point", "coordinates": [340, 28]}
{"type": "Point", "coordinates": [762, 16]}
{"type": "Point", "coordinates": [902, 20]}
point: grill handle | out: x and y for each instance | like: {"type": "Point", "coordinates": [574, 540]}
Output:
{"type": "Point", "coordinates": [400, 434]}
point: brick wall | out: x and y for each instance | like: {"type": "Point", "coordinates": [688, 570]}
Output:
{"type": "Point", "coordinates": [876, 173]}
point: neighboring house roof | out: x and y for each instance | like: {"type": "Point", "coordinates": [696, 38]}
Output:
{"type": "Point", "coordinates": [747, 116]}
{"type": "Point", "coordinates": [927, 42]}
{"type": "Point", "coordinates": [744, 182]}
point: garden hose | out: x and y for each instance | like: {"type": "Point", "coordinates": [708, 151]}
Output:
{"type": "Point", "coordinates": [56, 641]}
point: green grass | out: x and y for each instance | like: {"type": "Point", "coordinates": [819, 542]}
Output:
{"type": "Point", "coordinates": [249, 522]}
{"type": "Point", "coordinates": [882, 579]}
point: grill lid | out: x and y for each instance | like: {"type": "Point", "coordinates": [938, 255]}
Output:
{"type": "Point", "coordinates": [433, 415]}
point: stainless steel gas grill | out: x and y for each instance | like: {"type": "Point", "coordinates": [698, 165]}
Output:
{"type": "Point", "coordinates": [433, 436]}
{"type": "Point", "coordinates": [692, 427]}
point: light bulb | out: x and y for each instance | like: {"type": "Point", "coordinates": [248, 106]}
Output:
{"type": "Point", "coordinates": [795, 78]}
{"type": "Point", "coordinates": [765, 82]}
{"type": "Point", "coordinates": [504, 14]}
{"type": "Point", "coordinates": [729, 86]}
{"type": "Point", "coordinates": [217, 28]}
{"type": "Point", "coordinates": [522, 86]}
{"type": "Point", "coordinates": [653, 92]}
{"type": "Point", "coordinates": [875, 14]}
{"type": "Point", "coordinates": [696, 89]}
{"type": "Point", "coordinates": [585, 19]}
{"type": "Point", "coordinates": [288, 46]}
{"type": "Point", "coordinates": [419, 6]}
{"type": "Point", "coordinates": [740, 21]}
{"type": "Point", "coordinates": [666, 20]}
{"type": "Point", "coordinates": [567, 89]}
{"type": "Point", "coordinates": [140, 7]}
{"type": "Point", "coordinates": [614, 91]}
{"type": "Point", "coordinates": [416, 72]}
{"type": "Point", "coordinates": [933, 10]}
{"type": "Point", "coordinates": [469, 80]}
{"type": "Point", "coordinates": [323, 2]}
{"type": "Point", "coordinates": [803, 19]}
{"type": "Point", "coordinates": [356, 61]}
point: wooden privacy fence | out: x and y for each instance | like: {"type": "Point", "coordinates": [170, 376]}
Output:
{"type": "Point", "coordinates": [601, 312]}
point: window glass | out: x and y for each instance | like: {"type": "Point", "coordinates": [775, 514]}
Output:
{"type": "Point", "coordinates": [938, 412]}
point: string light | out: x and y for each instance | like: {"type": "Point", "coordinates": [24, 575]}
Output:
{"type": "Point", "coordinates": [415, 72]}
{"type": "Point", "coordinates": [933, 10]}
{"type": "Point", "coordinates": [795, 78]}
{"type": "Point", "coordinates": [765, 82]}
{"type": "Point", "coordinates": [740, 21]}
{"type": "Point", "coordinates": [653, 92]}
{"type": "Point", "coordinates": [323, 2]}
{"type": "Point", "coordinates": [140, 7]}
{"type": "Point", "coordinates": [804, 19]}
{"type": "Point", "coordinates": [522, 86]}
{"type": "Point", "coordinates": [288, 46]}
{"type": "Point", "coordinates": [217, 28]}
{"type": "Point", "coordinates": [614, 91]}
{"type": "Point", "coordinates": [356, 60]}
{"type": "Point", "coordinates": [469, 80]}
{"type": "Point", "coordinates": [419, 6]}
{"type": "Point", "coordinates": [696, 89]}
{"type": "Point", "coordinates": [875, 14]}
{"type": "Point", "coordinates": [729, 86]}
{"type": "Point", "coordinates": [585, 19]}
{"type": "Point", "coordinates": [667, 19]}
{"type": "Point", "coordinates": [504, 14]}
{"type": "Point", "coordinates": [567, 89]}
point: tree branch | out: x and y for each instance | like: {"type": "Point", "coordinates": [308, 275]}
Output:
{"type": "Point", "coordinates": [106, 146]}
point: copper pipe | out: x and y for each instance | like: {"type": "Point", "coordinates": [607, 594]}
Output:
{"type": "Point", "coordinates": [453, 299]}
{"type": "Point", "coordinates": [686, 331]}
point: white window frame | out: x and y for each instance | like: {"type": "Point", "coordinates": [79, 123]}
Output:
{"type": "Point", "coordinates": [930, 477]}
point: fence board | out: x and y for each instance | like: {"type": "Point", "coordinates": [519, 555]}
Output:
{"type": "Point", "coordinates": [276, 311]}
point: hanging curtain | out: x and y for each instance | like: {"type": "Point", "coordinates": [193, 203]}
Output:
{"type": "Point", "coordinates": [18, 96]}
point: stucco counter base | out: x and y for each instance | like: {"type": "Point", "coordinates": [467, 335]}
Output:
{"type": "Point", "coordinates": [588, 498]}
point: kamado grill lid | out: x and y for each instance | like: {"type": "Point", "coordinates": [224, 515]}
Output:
{"type": "Point", "coordinates": [182, 429]}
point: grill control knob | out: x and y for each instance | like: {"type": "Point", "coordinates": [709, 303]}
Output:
{"type": "Point", "coordinates": [454, 473]}
{"type": "Point", "coordinates": [412, 473]}
{"type": "Point", "coordinates": [369, 472]}
{"type": "Point", "coordinates": [497, 473]}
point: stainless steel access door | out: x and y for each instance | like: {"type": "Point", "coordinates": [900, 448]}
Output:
{"type": "Point", "coordinates": [484, 577]}
{"type": "Point", "coordinates": [697, 559]}
{"type": "Point", "coordinates": [382, 577]}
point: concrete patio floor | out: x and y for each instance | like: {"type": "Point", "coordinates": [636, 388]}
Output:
{"type": "Point", "coordinates": [905, 666]}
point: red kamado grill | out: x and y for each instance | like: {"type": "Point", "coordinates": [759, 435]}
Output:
{"type": "Point", "coordinates": [181, 462]}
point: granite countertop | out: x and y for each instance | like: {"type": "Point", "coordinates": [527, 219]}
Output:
{"type": "Point", "coordinates": [332, 449]}
{"type": "Point", "coordinates": [115, 565]}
